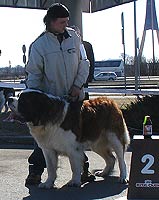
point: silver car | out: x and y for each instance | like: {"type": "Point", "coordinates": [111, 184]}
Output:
{"type": "Point", "coordinates": [105, 76]}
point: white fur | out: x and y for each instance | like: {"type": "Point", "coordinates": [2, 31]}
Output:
{"type": "Point", "coordinates": [54, 141]}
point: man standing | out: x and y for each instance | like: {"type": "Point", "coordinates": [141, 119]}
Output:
{"type": "Point", "coordinates": [57, 65]}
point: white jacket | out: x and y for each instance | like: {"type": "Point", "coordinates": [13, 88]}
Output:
{"type": "Point", "coordinates": [53, 67]}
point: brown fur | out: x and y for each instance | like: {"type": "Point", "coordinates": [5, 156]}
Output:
{"type": "Point", "coordinates": [98, 124]}
{"type": "Point", "coordinates": [87, 121]}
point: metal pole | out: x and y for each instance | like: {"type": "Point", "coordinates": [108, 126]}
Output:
{"type": "Point", "coordinates": [135, 58]}
{"type": "Point", "coordinates": [24, 58]}
{"type": "Point", "coordinates": [138, 65]}
{"type": "Point", "coordinates": [123, 42]}
{"type": "Point", "coordinates": [75, 8]}
{"type": "Point", "coordinates": [153, 46]}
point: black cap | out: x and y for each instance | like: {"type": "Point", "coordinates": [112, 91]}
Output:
{"type": "Point", "coordinates": [57, 10]}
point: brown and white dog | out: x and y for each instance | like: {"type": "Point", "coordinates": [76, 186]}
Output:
{"type": "Point", "coordinates": [66, 128]}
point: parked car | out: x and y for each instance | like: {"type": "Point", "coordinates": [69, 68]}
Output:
{"type": "Point", "coordinates": [105, 76]}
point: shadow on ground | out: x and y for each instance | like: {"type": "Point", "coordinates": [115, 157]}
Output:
{"type": "Point", "coordinates": [96, 190]}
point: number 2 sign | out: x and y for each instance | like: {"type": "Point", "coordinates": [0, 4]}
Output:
{"type": "Point", "coordinates": [144, 170]}
{"type": "Point", "coordinates": [149, 160]}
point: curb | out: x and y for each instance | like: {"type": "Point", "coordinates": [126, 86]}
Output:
{"type": "Point", "coordinates": [22, 140]}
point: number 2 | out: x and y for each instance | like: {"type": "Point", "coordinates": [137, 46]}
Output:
{"type": "Point", "coordinates": [146, 169]}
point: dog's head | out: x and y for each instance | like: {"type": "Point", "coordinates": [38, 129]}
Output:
{"type": "Point", "coordinates": [37, 107]}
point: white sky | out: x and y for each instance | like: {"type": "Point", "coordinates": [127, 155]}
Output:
{"type": "Point", "coordinates": [102, 29]}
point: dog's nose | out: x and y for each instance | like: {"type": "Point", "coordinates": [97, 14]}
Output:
{"type": "Point", "coordinates": [10, 100]}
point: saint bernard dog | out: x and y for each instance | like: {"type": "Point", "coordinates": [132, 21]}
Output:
{"type": "Point", "coordinates": [60, 127]}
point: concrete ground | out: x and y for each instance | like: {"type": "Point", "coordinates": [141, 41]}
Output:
{"type": "Point", "coordinates": [14, 169]}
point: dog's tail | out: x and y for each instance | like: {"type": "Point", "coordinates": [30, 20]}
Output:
{"type": "Point", "coordinates": [126, 136]}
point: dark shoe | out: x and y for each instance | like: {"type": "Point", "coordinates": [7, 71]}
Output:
{"type": "Point", "coordinates": [33, 179]}
{"type": "Point", "coordinates": [87, 177]}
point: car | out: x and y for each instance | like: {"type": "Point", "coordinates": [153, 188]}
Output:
{"type": "Point", "coordinates": [106, 76]}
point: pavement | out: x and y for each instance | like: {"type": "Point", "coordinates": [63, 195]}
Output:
{"type": "Point", "coordinates": [14, 169]}
{"type": "Point", "coordinates": [14, 152]}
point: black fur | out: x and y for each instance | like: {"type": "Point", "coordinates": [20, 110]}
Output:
{"type": "Point", "coordinates": [72, 119]}
{"type": "Point", "coordinates": [38, 108]}
{"type": "Point", "coordinates": [7, 92]}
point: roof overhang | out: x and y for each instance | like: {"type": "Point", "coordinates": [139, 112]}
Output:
{"type": "Point", "coordinates": [98, 5]}
{"type": "Point", "coordinates": [87, 5]}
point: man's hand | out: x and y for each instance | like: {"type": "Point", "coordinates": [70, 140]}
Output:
{"type": "Point", "coordinates": [74, 93]}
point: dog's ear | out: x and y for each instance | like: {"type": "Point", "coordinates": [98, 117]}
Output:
{"type": "Point", "coordinates": [51, 110]}
{"type": "Point", "coordinates": [28, 108]}
{"type": "Point", "coordinates": [35, 122]}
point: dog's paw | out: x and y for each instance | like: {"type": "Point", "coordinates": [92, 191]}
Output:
{"type": "Point", "coordinates": [46, 185]}
{"type": "Point", "coordinates": [123, 180]}
{"type": "Point", "coordinates": [100, 174]}
{"type": "Point", "coordinates": [72, 183]}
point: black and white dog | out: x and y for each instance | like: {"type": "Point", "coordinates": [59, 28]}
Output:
{"type": "Point", "coordinates": [66, 128]}
{"type": "Point", "coordinates": [5, 93]}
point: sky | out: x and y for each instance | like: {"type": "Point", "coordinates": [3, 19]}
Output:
{"type": "Point", "coordinates": [102, 29]}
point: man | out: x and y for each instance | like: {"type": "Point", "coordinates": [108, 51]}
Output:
{"type": "Point", "coordinates": [56, 65]}
{"type": "Point", "coordinates": [90, 56]}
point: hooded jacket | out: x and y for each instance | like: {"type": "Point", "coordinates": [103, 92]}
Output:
{"type": "Point", "coordinates": [55, 67]}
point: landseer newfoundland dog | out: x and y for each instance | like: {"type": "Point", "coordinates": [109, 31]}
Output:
{"type": "Point", "coordinates": [66, 128]}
